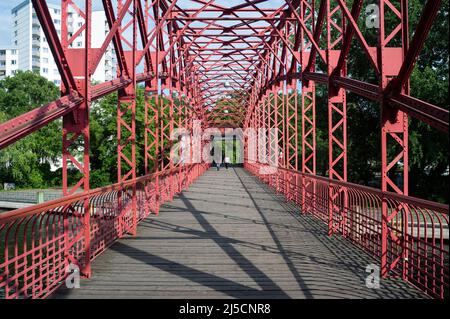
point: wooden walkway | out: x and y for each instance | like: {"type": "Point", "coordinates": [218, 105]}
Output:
{"type": "Point", "coordinates": [230, 236]}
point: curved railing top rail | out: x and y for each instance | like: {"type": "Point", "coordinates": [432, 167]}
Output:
{"type": "Point", "coordinates": [443, 208]}
{"type": "Point", "coordinates": [36, 209]}
{"type": "Point", "coordinates": [409, 236]}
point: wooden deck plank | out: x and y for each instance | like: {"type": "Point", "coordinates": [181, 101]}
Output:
{"type": "Point", "coordinates": [229, 236]}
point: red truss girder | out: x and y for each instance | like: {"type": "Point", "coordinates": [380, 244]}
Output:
{"type": "Point", "coordinates": [181, 19]}
{"type": "Point", "coordinates": [257, 63]}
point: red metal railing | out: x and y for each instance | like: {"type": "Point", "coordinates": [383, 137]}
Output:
{"type": "Point", "coordinates": [38, 243]}
{"type": "Point", "coordinates": [414, 243]}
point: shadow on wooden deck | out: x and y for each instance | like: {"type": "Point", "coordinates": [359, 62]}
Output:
{"type": "Point", "coordinates": [230, 236]}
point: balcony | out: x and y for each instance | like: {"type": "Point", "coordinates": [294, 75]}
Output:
{"type": "Point", "coordinates": [36, 64]}
{"type": "Point", "coordinates": [36, 51]}
{"type": "Point", "coordinates": [36, 41]}
{"type": "Point", "coordinates": [35, 20]}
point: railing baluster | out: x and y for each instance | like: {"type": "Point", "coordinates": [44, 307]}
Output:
{"type": "Point", "coordinates": [391, 227]}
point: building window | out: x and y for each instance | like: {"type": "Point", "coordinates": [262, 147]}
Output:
{"type": "Point", "coordinates": [45, 70]}
{"type": "Point", "coordinates": [14, 51]}
{"type": "Point", "coordinates": [15, 33]}
{"type": "Point", "coordinates": [45, 60]}
{"type": "Point", "coordinates": [13, 62]}
{"type": "Point", "coordinates": [57, 21]}
{"type": "Point", "coordinates": [57, 11]}
{"type": "Point", "coordinates": [45, 50]}
{"type": "Point", "coordinates": [15, 42]}
{"type": "Point", "coordinates": [57, 82]}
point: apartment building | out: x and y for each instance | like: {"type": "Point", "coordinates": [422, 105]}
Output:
{"type": "Point", "coordinates": [30, 41]}
{"type": "Point", "coordinates": [8, 61]}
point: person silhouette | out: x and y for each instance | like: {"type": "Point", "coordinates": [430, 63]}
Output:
{"type": "Point", "coordinates": [227, 161]}
{"type": "Point", "coordinates": [216, 163]}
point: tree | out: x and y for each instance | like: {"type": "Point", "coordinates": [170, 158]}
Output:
{"type": "Point", "coordinates": [428, 147]}
{"type": "Point", "coordinates": [429, 82]}
{"type": "Point", "coordinates": [27, 162]}
{"type": "Point", "coordinates": [103, 133]}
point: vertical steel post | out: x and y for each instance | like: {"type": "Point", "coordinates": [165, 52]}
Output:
{"type": "Point", "coordinates": [126, 131]}
{"type": "Point", "coordinates": [76, 128]}
{"type": "Point", "coordinates": [337, 122]}
{"type": "Point", "coordinates": [394, 132]}
{"type": "Point", "coordinates": [308, 114]}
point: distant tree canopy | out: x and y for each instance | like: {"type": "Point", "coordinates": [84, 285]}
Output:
{"type": "Point", "coordinates": [428, 147]}
{"type": "Point", "coordinates": [27, 162]}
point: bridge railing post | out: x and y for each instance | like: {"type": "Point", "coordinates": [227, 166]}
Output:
{"type": "Point", "coordinates": [384, 239]}
{"type": "Point", "coordinates": [330, 209]}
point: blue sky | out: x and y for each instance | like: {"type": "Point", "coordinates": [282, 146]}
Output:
{"type": "Point", "coordinates": [5, 18]}
{"type": "Point", "coordinates": [7, 5]}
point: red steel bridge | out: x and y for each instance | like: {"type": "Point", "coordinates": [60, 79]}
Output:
{"type": "Point", "coordinates": [264, 59]}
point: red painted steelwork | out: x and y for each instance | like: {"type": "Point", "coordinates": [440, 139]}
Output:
{"type": "Point", "coordinates": [420, 227]}
{"type": "Point", "coordinates": [38, 243]}
{"type": "Point", "coordinates": [245, 64]}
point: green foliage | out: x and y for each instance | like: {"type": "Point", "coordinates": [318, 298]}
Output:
{"type": "Point", "coordinates": [103, 128]}
{"type": "Point", "coordinates": [227, 148]}
{"type": "Point", "coordinates": [27, 162]}
{"type": "Point", "coordinates": [428, 147]}
{"type": "Point", "coordinates": [429, 82]}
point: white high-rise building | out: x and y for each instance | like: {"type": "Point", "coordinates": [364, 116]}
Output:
{"type": "Point", "coordinates": [34, 52]}
{"type": "Point", "coordinates": [9, 60]}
